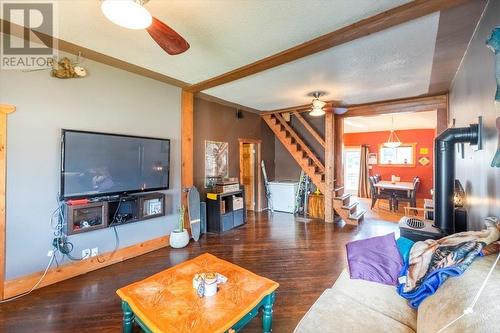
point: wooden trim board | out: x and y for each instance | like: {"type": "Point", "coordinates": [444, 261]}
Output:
{"type": "Point", "coordinates": [23, 284]}
{"type": "Point", "coordinates": [5, 109]}
{"type": "Point", "coordinates": [365, 27]}
{"type": "Point", "coordinates": [65, 46]}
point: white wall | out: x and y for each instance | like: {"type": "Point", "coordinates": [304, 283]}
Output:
{"type": "Point", "coordinates": [108, 100]}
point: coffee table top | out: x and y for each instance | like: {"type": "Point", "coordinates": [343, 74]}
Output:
{"type": "Point", "coordinates": [167, 301]}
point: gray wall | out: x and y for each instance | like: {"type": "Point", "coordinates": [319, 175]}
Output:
{"type": "Point", "coordinates": [108, 100]}
{"type": "Point", "coordinates": [472, 95]}
{"type": "Point", "coordinates": [216, 122]}
{"type": "Point", "coordinates": [285, 166]}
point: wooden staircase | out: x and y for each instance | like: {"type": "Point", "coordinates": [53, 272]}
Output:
{"type": "Point", "coordinates": [299, 150]}
{"type": "Point", "coordinates": [347, 210]}
{"type": "Point", "coordinates": [312, 166]}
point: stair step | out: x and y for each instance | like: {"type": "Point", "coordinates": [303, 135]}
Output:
{"type": "Point", "coordinates": [357, 216]}
{"type": "Point", "coordinates": [352, 207]}
{"type": "Point", "coordinates": [343, 197]}
{"type": "Point", "coordinates": [338, 189]}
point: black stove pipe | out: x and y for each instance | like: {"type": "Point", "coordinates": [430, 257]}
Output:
{"type": "Point", "coordinates": [444, 178]}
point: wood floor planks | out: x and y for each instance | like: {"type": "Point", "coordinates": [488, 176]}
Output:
{"type": "Point", "coordinates": [305, 258]}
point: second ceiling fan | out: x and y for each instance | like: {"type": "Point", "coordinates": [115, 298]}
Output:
{"type": "Point", "coordinates": [132, 14]}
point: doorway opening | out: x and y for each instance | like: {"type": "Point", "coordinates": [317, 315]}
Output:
{"type": "Point", "coordinates": [250, 176]}
{"type": "Point", "coordinates": [352, 156]}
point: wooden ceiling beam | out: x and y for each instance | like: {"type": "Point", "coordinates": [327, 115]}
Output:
{"type": "Point", "coordinates": [302, 108]}
{"type": "Point", "coordinates": [414, 104]}
{"type": "Point", "coordinates": [365, 27]}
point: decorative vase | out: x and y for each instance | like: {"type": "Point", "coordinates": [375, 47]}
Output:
{"type": "Point", "coordinates": [179, 239]}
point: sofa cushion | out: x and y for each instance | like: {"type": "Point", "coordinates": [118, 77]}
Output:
{"type": "Point", "coordinates": [378, 297]}
{"type": "Point", "coordinates": [457, 294]}
{"type": "Point", "coordinates": [336, 312]}
{"type": "Point", "coordinates": [375, 259]}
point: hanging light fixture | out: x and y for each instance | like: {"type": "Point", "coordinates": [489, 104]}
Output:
{"type": "Point", "coordinates": [129, 14]}
{"type": "Point", "coordinates": [393, 140]}
{"type": "Point", "coordinates": [317, 105]}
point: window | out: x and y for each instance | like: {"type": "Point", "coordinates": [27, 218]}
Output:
{"type": "Point", "coordinates": [403, 155]}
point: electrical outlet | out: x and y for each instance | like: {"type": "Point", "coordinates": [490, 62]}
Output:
{"type": "Point", "coordinates": [94, 252]}
{"type": "Point", "coordinates": [50, 253]}
{"type": "Point", "coordinates": [85, 253]}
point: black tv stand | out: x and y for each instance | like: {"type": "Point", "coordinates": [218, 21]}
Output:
{"type": "Point", "coordinates": [111, 211]}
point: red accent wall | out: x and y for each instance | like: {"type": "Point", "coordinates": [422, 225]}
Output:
{"type": "Point", "coordinates": [424, 138]}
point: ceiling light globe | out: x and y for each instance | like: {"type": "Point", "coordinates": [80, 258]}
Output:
{"type": "Point", "coordinates": [126, 13]}
{"type": "Point", "coordinates": [316, 112]}
{"type": "Point", "coordinates": [318, 104]}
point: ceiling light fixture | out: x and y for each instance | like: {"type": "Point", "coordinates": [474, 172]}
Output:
{"type": "Point", "coordinates": [317, 105]}
{"type": "Point", "coordinates": [129, 14]}
{"type": "Point", "coordinates": [393, 140]}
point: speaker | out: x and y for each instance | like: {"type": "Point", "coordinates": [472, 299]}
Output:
{"type": "Point", "coordinates": [203, 217]}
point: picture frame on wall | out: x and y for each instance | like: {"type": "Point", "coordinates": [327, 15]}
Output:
{"type": "Point", "coordinates": [372, 158]}
{"type": "Point", "coordinates": [216, 162]}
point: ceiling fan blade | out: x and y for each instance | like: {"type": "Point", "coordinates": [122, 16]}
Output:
{"type": "Point", "coordinates": [167, 38]}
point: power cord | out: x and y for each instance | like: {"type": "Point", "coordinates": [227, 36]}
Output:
{"type": "Point", "coordinates": [470, 309]}
{"type": "Point", "coordinates": [36, 284]}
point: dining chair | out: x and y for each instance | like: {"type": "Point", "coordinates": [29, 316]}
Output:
{"type": "Point", "coordinates": [407, 196]}
{"type": "Point", "coordinates": [378, 195]}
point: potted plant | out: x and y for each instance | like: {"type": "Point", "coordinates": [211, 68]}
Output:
{"type": "Point", "coordinates": [179, 237]}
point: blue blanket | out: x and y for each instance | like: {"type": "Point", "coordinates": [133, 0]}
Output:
{"type": "Point", "coordinates": [432, 262]}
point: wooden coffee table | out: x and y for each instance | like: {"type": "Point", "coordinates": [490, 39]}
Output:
{"type": "Point", "coordinates": [167, 302]}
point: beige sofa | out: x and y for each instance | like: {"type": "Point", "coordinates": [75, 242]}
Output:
{"type": "Point", "coordinates": [361, 306]}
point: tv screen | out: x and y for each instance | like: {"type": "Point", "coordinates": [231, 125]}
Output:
{"type": "Point", "coordinates": [98, 164]}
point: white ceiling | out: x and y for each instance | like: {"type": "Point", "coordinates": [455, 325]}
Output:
{"type": "Point", "coordinates": [402, 121]}
{"type": "Point", "coordinates": [224, 34]}
{"type": "Point", "coordinates": [394, 63]}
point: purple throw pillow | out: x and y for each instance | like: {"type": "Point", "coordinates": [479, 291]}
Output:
{"type": "Point", "coordinates": [375, 259]}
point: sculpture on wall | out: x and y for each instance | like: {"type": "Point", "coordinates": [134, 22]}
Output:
{"type": "Point", "coordinates": [493, 43]}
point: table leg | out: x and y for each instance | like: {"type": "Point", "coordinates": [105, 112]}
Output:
{"type": "Point", "coordinates": [267, 317]}
{"type": "Point", "coordinates": [128, 318]}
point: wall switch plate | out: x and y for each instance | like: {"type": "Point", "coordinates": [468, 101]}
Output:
{"type": "Point", "coordinates": [94, 252]}
{"type": "Point", "coordinates": [85, 253]}
{"type": "Point", "coordinates": [50, 253]}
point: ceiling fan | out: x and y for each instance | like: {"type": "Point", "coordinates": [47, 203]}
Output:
{"type": "Point", "coordinates": [319, 107]}
{"type": "Point", "coordinates": [132, 14]}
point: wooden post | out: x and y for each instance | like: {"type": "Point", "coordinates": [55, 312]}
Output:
{"type": "Point", "coordinates": [329, 165]}
{"type": "Point", "coordinates": [4, 111]}
{"type": "Point", "coordinates": [187, 146]}
{"type": "Point", "coordinates": [339, 141]}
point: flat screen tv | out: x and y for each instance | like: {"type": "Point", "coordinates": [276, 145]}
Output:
{"type": "Point", "coordinates": [99, 164]}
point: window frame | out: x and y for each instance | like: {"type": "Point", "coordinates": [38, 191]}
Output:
{"type": "Point", "coordinates": [408, 165]}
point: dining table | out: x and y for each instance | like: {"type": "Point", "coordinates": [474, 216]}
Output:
{"type": "Point", "coordinates": [395, 186]}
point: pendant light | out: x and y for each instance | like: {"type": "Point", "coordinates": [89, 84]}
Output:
{"type": "Point", "coordinates": [393, 140]}
{"type": "Point", "coordinates": [317, 105]}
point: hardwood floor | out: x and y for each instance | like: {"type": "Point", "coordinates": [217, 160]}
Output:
{"type": "Point", "coordinates": [305, 258]}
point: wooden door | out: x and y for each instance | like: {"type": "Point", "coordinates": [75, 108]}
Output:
{"type": "Point", "coordinates": [248, 174]}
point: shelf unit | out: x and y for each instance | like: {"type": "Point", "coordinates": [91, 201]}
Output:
{"type": "Point", "coordinates": [112, 212]}
{"type": "Point", "coordinates": [221, 213]}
